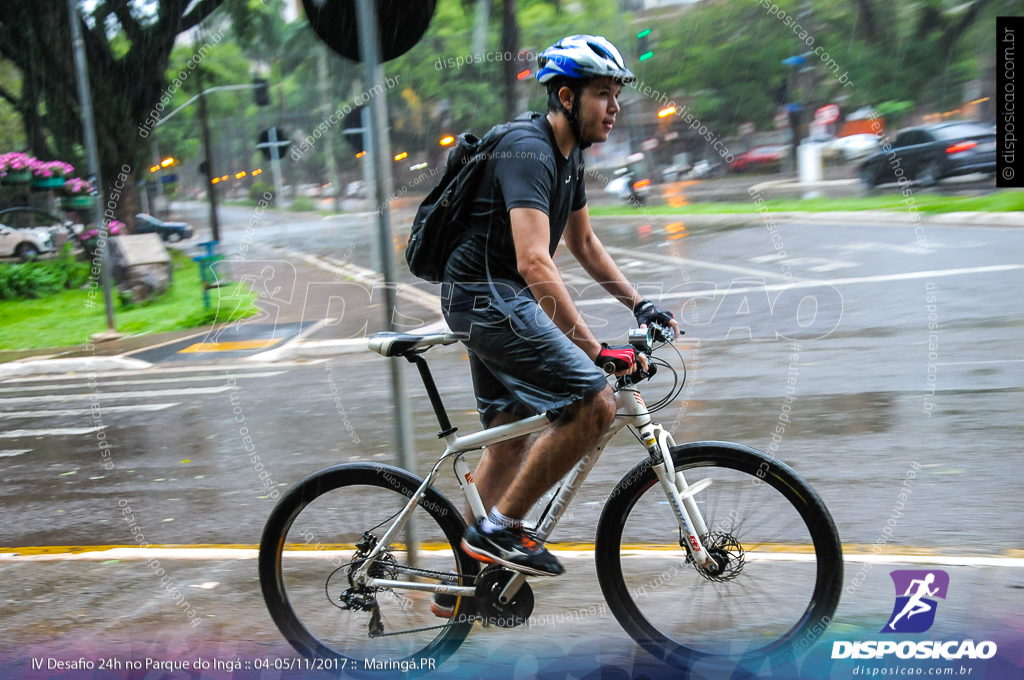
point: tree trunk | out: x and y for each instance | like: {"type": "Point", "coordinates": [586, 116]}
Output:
{"type": "Point", "coordinates": [866, 13]}
{"type": "Point", "coordinates": [36, 38]}
{"type": "Point", "coordinates": [510, 43]}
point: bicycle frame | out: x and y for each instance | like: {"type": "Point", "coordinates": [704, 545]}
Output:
{"type": "Point", "coordinates": [630, 410]}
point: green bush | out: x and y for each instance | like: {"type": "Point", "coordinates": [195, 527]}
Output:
{"type": "Point", "coordinates": [303, 204]}
{"type": "Point", "coordinates": [257, 190]}
{"type": "Point", "coordinates": [38, 279]}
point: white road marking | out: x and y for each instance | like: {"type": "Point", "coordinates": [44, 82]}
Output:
{"type": "Point", "coordinates": [52, 398]}
{"type": "Point", "coordinates": [668, 259]}
{"type": "Point", "coordinates": [52, 432]}
{"type": "Point", "coordinates": [154, 371]}
{"type": "Point", "coordinates": [68, 412]}
{"type": "Point", "coordinates": [972, 363]}
{"type": "Point", "coordinates": [364, 275]}
{"type": "Point", "coordinates": [202, 554]}
{"type": "Point", "coordinates": [13, 452]}
{"type": "Point", "coordinates": [152, 381]}
{"type": "Point", "coordinates": [820, 282]}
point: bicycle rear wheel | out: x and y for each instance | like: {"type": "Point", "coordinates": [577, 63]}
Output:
{"type": "Point", "coordinates": [310, 545]}
{"type": "Point", "coordinates": [782, 581]}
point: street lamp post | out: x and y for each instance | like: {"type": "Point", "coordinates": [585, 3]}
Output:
{"type": "Point", "coordinates": [89, 132]}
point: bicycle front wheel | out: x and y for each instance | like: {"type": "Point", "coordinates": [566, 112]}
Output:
{"type": "Point", "coordinates": [783, 563]}
{"type": "Point", "coordinates": [315, 539]}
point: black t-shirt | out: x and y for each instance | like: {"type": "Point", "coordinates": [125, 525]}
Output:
{"type": "Point", "coordinates": [527, 170]}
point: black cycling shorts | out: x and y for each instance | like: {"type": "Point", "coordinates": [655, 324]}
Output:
{"type": "Point", "coordinates": [522, 363]}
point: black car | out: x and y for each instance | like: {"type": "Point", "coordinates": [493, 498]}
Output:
{"type": "Point", "coordinates": [172, 232]}
{"type": "Point", "coordinates": [933, 152]}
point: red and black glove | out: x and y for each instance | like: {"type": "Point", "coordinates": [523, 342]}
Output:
{"type": "Point", "coordinates": [615, 359]}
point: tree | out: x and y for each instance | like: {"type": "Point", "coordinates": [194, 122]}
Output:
{"type": "Point", "coordinates": [127, 47]}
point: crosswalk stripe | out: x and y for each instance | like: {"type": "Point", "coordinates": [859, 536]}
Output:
{"type": "Point", "coordinates": [13, 452]}
{"type": "Point", "coordinates": [156, 370]}
{"type": "Point", "coordinates": [151, 381]}
{"type": "Point", "coordinates": [53, 398]}
{"type": "Point", "coordinates": [699, 264]}
{"type": "Point", "coordinates": [810, 284]}
{"type": "Point", "coordinates": [67, 412]}
{"type": "Point", "coordinates": [52, 432]}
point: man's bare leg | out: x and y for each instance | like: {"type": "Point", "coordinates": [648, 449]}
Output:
{"type": "Point", "coordinates": [499, 466]}
{"type": "Point", "coordinates": [557, 450]}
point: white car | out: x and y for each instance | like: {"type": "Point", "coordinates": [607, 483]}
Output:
{"type": "Point", "coordinates": [855, 146]}
{"type": "Point", "coordinates": [25, 243]}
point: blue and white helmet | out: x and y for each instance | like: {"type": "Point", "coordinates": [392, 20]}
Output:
{"type": "Point", "coordinates": [582, 56]}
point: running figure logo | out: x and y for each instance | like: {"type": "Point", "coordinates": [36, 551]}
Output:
{"type": "Point", "coordinates": [914, 612]}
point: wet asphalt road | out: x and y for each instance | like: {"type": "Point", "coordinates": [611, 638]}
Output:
{"type": "Point", "coordinates": [861, 419]}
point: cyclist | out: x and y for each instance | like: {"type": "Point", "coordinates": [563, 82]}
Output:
{"type": "Point", "coordinates": [530, 350]}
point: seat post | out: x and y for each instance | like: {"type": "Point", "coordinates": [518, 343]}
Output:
{"type": "Point", "coordinates": [435, 397]}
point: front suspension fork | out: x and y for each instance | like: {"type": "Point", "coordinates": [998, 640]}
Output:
{"type": "Point", "coordinates": [679, 493]}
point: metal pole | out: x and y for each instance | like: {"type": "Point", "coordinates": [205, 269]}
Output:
{"type": "Point", "coordinates": [483, 10]}
{"type": "Point", "coordinates": [211, 188]}
{"type": "Point", "coordinates": [89, 130]}
{"type": "Point", "coordinates": [325, 102]}
{"type": "Point", "coordinates": [154, 153]}
{"type": "Point", "coordinates": [380, 149]}
{"type": "Point", "coordinates": [275, 165]}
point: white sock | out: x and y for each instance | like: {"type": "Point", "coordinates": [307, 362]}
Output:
{"type": "Point", "coordinates": [496, 520]}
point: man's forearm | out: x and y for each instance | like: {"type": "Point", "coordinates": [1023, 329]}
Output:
{"type": "Point", "coordinates": [549, 290]}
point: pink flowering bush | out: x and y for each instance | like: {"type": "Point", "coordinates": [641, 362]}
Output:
{"type": "Point", "coordinates": [17, 161]}
{"type": "Point", "coordinates": [90, 237]}
{"type": "Point", "coordinates": [53, 169]}
{"type": "Point", "coordinates": [78, 186]}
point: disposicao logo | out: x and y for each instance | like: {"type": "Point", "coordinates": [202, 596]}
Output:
{"type": "Point", "coordinates": [914, 612]}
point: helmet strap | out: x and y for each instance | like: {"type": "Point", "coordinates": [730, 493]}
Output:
{"type": "Point", "coordinates": [574, 116]}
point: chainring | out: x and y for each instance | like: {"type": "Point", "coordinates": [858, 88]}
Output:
{"type": "Point", "coordinates": [490, 610]}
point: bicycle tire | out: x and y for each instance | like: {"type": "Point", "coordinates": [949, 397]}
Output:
{"type": "Point", "coordinates": [364, 475]}
{"type": "Point", "coordinates": [741, 460]}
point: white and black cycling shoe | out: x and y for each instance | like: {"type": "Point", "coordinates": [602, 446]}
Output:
{"type": "Point", "coordinates": [511, 548]}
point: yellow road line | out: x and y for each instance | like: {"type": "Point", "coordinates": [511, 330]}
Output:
{"type": "Point", "coordinates": [757, 552]}
{"type": "Point", "coordinates": [228, 346]}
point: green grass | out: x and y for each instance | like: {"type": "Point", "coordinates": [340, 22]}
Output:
{"type": "Point", "coordinates": [65, 319]}
{"type": "Point", "coordinates": [1003, 201]}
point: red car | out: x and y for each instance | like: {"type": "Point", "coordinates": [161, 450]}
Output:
{"type": "Point", "coordinates": [759, 159]}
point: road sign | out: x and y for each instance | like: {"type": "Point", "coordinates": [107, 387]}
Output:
{"type": "Point", "coordinates": [402, 23]}
{"type": "Point", "coordinates": [827, 114]}
{"type": "Point", "coordinates": [781, 120]}
{"type": "Point", "coordinates": [649, 144]}
{"type": "Point", "coordinates": [169, 179]}
{"type": "Point", "coordinates": [747, 129]}
{"type": "Point", "coordinates": [281, 141]}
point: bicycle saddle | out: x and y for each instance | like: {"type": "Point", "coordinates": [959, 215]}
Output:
{"type": "Point", "coordinates": [391, 344]}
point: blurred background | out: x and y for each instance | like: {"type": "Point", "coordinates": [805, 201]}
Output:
{"type": "Point", "coordinates": [753, 83]}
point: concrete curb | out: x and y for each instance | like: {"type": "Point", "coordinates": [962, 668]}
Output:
{"type": "Point", "coordinates": [18, 369]}
{"type": "Point", "coordinates": [865, 217]}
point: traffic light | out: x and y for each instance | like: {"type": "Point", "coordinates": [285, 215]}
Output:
{"type": "Point", "coordinates": [262, 91]}
{"type": "Point", "coordinates": [643, 49]}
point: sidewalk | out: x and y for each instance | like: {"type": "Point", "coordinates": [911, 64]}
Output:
{"type": "Point", "coordinates": [299, 321]}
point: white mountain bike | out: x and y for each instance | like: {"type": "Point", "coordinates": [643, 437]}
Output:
{"type": "Point", "coordinates": [708, 548]}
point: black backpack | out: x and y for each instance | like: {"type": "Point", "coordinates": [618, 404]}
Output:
{"type": "Point", "coordinates": [437, 229]}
